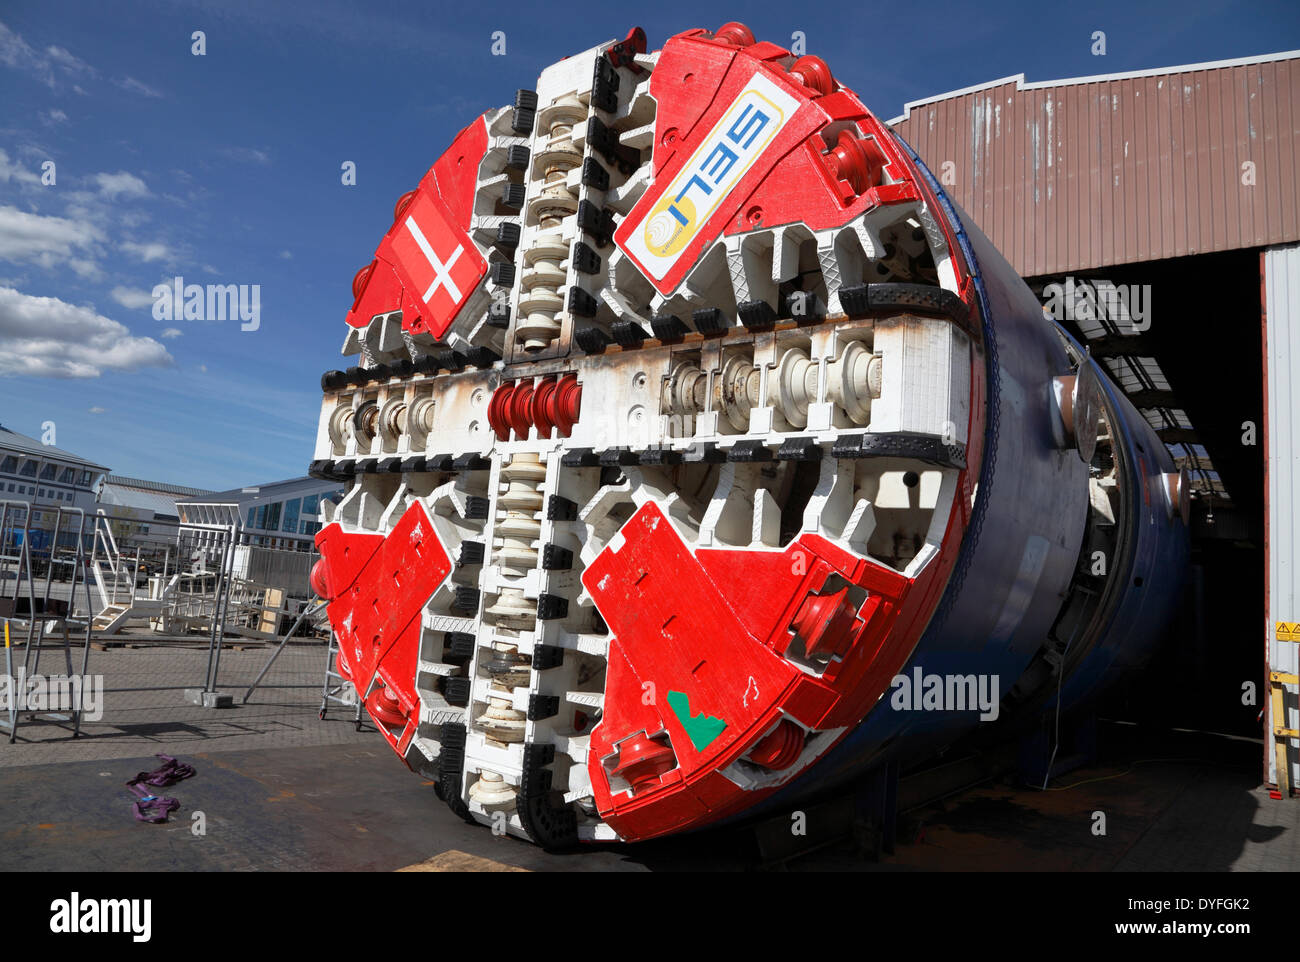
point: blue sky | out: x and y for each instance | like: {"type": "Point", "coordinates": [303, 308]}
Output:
{"type": "Point", "coordinates": [225, 169]}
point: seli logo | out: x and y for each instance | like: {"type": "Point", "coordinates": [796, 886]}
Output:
{"type": "Point", "coordinates": [732, 147]}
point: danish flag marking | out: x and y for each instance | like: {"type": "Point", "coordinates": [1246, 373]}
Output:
{"type": "Point", "coordinates": [441, 271]}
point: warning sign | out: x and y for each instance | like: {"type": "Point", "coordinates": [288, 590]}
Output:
{"type": "Point", "coordinates": [1288, 631]}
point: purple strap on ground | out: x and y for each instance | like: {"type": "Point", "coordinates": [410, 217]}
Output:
{"type": "Point", "coordinates": [156, 808]}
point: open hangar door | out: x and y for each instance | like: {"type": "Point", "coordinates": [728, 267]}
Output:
{"type": "Point", "coordinates": [1183, 337]}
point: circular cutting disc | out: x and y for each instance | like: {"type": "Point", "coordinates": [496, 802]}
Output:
{"type": "Point", "coordinates": [1086, 409]}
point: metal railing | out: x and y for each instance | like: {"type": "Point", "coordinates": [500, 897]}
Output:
{"type": "Point", "coordinates": [48, 611]}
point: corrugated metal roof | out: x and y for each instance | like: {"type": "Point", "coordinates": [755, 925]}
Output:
{"type": "Point", "coordinates": [129, 497]}
{"type": "Point", "coordinates": [256, 492]}
{"type": "Point", "coordinates": [1086, 173]}
{"type": "Point", "coordinates": [158, 486]}
{"type": "Point", "coordinates": [14, 441]}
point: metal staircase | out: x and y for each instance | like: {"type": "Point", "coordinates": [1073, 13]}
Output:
{"type": "Point", "coordinates": [117, 580]}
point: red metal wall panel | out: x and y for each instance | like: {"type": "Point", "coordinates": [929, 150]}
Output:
{"type": "Point", "coordinates": [1073, 176]}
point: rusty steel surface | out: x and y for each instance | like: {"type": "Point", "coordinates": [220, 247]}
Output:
{"type": "Point", "coordinates": [1078, 174]}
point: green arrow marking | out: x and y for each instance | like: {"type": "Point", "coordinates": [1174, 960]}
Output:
{"type": "Point", "coordinates": [702, 729]}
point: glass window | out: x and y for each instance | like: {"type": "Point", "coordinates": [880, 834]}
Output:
{"type": "Point", "coordinates": [29, 469]}
{"type": "Point", "coordinates": [9, 465]}
{"type": "Point", "coordinates": [11, 487]}
{"type": "Point", "coordinates": [251, 512]}
{"type": "Point", "coordinates": [22, 489]}
{"type": "Point", "coordinates": [273, 516]}
{"type": "Point", "coordinates": [67, 476]}
{"type": "Point", "coordinates": [42, 492]}
{"type": "Point", "coordinates": [310, 503]}
{"type": "Point", "coordinates": [261, 517]}
{"type": "Point", "coordinates": [291, 515]}
{"type": "Point", "coordinates": [47, 472]}
{"type": "Point", "coordinates": [85, 477]}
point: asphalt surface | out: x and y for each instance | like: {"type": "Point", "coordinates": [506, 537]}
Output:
{"type": "Point", "coordinates": [277, 789]}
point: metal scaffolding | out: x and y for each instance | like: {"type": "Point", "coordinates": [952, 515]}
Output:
{"type": "Point", "coordinates": [43, 612]}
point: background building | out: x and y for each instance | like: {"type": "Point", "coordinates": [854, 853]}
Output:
{"type": "Point", "coordinates": [1157, 213]}
{"type": "Point", "coordinates": [143, 513]}
{"type": "Point", "coordinates": [271, 527]}
{"type": "Point", "coordinates": [45, 478]}
{"type": "Point", "coordinates": [282, 514]}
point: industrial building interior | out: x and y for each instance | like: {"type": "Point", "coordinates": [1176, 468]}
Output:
{"type": "Point", "coordinates": [1215, 383]}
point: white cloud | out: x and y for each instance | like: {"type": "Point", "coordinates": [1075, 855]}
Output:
{"type": "Point", "coordinates": [12, 170]}
{"type": "Point", "coordinates": [247, 155]}
{"type": "Point", "coordinates": [54, 116]}
{"type": "Point", "coordinates": [67, 61]}
{"type": "Point", "coordinates": [47, 66]}
{"type": "Point", "coordinates": [170, 332]}
{"type": "Point", "coordinates": [122, 183]}
{"type": "Point", "coordinates": [96, 410]}
{"type": "Point", "coordinates": [132, 297]}
{"type": "Point", "coordinates": [46, 241]}
{"type": "Point", "coordinates": [47, 337]}
{"type": "Point", "coordinates": [138, 87]}
{"type": "Point", "coordinates": [95, 213]}
{"type": "Point", "coordinates": [286, 255]}
{"type": "Point", "coordinates": [152, 251]}
{"type": "Point", "coordinates": [83, 267]}
{"type": "Point", "coordinates": [17, 53]}
{"type": "Point", "coordinates": [14, 50]}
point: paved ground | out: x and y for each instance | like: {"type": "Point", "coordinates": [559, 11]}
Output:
{"type": "Point", "coordinates": [1171, 802]}
{"type": "Point", "coordinates": [281, 790]}
{"type": "Point", "coordinates": [138, 723]}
